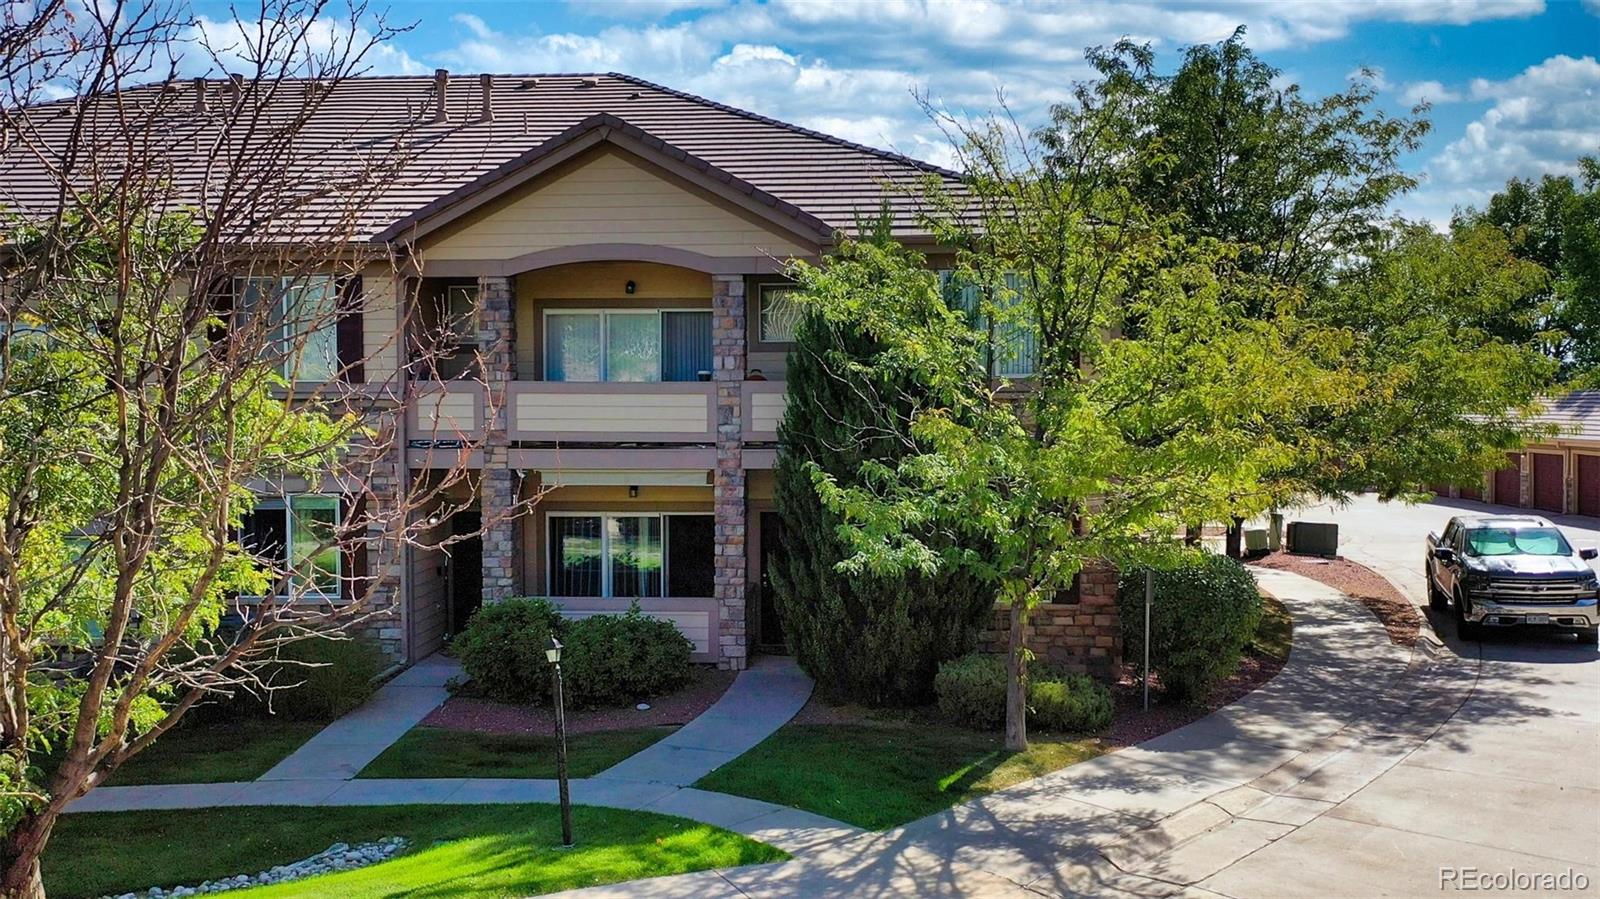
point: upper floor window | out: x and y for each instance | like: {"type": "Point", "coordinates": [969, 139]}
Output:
{"type": "Point", "coordinates": [779, 314]}
{"type": "Point", "coordinates": [301, 322]}
{"type": "Point", "coordinates": [627, 345]}
{"type": "Point", "coordinates": [1013, 350]}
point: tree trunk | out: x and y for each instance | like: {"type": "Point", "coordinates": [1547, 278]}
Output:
{"type": "Point", "coordinates": [1236, 538]}
{"type": "Point", "coordinates": [20, 877]}
{"type": "Point", "coordinates": [1192, 534]}
{"type": "Point", "coordinates": [1017, 680]}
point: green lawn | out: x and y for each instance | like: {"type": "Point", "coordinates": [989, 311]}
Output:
{"type": "Point", "coordinates": [485, 850]}
{"type": "Point", "coordinates": [441, 752]}
{"type": "Point", "coordinates": [1273, 634]}
{"type": "Point", "coordinates": [212, 752]}
{"type": "Point", "coordinates": [876, 775]}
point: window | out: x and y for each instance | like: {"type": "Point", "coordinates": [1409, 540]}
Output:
{"type": "Point", "coordinates": [779, 314]}
{"type": "Point", "coordinates": [461, 313]}
{"type": "Point", "coordinates": [1014, 349]}
{"type": "Point", "coordinates": [623, 555]}
{"type": "Point", "coordinates": [297, 534]}
{"type": "Point", "coordinates": [301, 322]}
{"type": "Point", "coordinates": [628, 345]}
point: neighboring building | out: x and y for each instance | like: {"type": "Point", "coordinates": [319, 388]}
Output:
{"type": "Point", "coordinates": [612, 251]}
{"type": "Point", "coordinates": [1559, 475]}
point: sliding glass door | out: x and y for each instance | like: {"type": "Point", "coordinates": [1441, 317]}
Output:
{"type": "Point", "coordinates": [628, 556]}
{"type": "Point", "coordinates": [627, 345]}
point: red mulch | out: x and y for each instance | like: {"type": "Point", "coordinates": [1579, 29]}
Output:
{"type": "Point", "coordinates": [1400, 618]}
{"type": "Point", "coordinates": [487, 716]}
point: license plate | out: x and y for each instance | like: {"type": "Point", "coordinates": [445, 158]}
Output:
{"type": "Point", "coordinates": [1538, 619]}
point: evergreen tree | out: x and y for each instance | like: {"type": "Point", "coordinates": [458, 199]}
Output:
{"type": "Point", "coordinates": [866, 638]}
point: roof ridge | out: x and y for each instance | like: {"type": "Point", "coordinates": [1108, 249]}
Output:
{"type": "Point", "coordinates": [800, 129]}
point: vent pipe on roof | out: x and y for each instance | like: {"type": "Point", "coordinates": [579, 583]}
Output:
{"type": "Point", "coordinates": [486, 82]}
{"type": "Point", "coordinates": [199, 96]}
{"type": "Point", "coordinates": [441, 87]}
{"type": "Point", "coordinates": [235, 87]}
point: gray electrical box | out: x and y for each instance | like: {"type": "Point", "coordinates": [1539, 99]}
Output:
{"type": "Point", "coordinates": [1255, 540]}
{"type": "Point", "coordinates": [1314, 538]}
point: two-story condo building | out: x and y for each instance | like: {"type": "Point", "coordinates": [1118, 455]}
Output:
{"type": "Point", "coordinates": [603, 257]}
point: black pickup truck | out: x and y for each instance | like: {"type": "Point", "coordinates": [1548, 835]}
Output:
{"type": "Point", "coordinates": [1505, 570]}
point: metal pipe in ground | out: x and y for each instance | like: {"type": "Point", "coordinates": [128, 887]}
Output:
{"type": "Point", "coordinates": [1149, 599]}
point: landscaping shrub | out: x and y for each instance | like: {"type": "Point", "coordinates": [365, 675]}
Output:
{"type": "Point", "coordinates": [1075, 703]}
{"type": "Point", "coordinates": [332, 677]}
{"type": "Point", "coordinates": [617, 659]}
{"type": "Point", "coordinates": [1204, 615]}
{"type": "Point", "coordinates": [502, 649]}
{"type": "Point", "coordinates": [971, 692]}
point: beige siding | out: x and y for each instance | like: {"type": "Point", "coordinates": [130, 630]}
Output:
{"type": "Point", "coordinates": [379, 324]}
{"type": "Point", "coordinates": [612, 412]}
{"type": "Point", "coordinates": [609, 197]}
{"type": "Point", "coordinates": [597, 285]}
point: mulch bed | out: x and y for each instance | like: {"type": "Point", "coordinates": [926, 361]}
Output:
{"type": "Point", "coordinates": [1400, 618]}
{"type": "Point", "coordinates": [1131, 724]}
{"type": "Point", "coordinates": [489, 717]}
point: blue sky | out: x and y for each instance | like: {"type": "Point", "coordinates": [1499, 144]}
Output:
{"type": "Point", "coordinates": [1515, 83]}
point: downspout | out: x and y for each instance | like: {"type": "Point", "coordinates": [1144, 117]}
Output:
{"type": "Point", "coordinates": [403, 439]}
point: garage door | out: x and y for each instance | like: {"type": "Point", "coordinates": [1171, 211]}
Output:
{"type": "Point", "coordinates": [1588, 475]}
{"type": "Point", "coordinates": [1549, 482]}
{"type": "Point", "coordinates": [1508, 481]}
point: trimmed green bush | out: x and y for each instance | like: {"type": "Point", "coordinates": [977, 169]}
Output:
{"type": "Point", "coordinates": [971, 692]}
{"type": "Point", "coordinates": [1076, 703]}
{"type": "Point", "coordinates": [617, 659]}
{"type": "Point", "coordinates": [502, 649]}
{"type": "Point", "coordinates": [331, 677]}
{"type": "Point", "coordinates": [1204, 615]}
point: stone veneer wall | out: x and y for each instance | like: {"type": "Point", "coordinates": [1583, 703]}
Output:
{"type": "Point", "coordinates": [383, 617]}
{"type": "Point", "coordinates": [499, 484]}
{"type": "Point", "coordinates": [728, 362]}
{"type": "Point", "coordinates": [1085, 636]}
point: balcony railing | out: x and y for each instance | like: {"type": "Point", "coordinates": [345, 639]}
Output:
{"type": "Point", "coordinates": [447, 410]}
{"type": "Point", "coordinates": [647, 412]}
{"type": "Point", "coordinates": [763, 405]}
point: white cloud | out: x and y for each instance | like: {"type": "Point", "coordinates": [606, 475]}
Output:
{"type": "Point", "coordinates": [1372, 75]}
{"type": "Point", "coordinates": [1429, 92]}
{"type": "Point", "coordinates": [212, 46]}
{"type": "Point", "coordinates": [1592, 6]}
{"type": "Point", "coordinates": [1539, 122]}
{"type": "Point", "coordinates": [639, 9]}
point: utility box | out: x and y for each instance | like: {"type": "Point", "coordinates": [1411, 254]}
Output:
{"type": "Point", "coordinates": [1255, 541]}
{"type": "Point", "coordinates": [1314, 538]}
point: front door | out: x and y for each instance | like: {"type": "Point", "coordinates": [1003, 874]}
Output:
{"type": "Point", "coordinates": [466, 568]}
{"type": "Point", "coordinates": [769, 636]}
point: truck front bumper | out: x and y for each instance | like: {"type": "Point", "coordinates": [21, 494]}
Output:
{"type": "Point", "coordinates": [1582, 613]}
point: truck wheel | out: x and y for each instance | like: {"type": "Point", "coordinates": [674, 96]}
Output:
{"type": "Point", "coordinates": [1436, 598]}
{"type": "Point", "coordinates": [1466, 630]}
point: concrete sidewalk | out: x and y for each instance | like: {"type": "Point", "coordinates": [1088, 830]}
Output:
{"type": "Point", "coordinates": [339, 751]}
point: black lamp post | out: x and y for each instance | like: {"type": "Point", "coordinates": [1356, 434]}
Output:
{"type": "Point", "coordinates": [553, 653]}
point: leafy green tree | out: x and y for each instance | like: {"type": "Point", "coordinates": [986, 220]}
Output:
{"type": "Point", "coordinates": [1554, 222]}
{"type": "Point", "coordinates": [875, 639]}
{"type": "Point", "coordinates": [1149, 374]}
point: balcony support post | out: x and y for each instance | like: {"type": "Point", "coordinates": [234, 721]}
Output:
{"type": "Point", "coordinates": [728, 361]}
{"type": "Point", "coordinates": [500, 487]}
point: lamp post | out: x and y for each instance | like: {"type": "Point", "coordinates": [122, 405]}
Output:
{"type": "Point", "coordinates": [553, 653]}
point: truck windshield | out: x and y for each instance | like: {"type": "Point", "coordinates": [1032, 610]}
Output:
{"type": "Point", "coordinates": [1517, 541]}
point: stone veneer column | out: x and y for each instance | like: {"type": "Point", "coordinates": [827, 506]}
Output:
{"type": "Point", "coordinates": [383, 612]}
{"type": "Point", "coordinates": [498, 488]}
{"type": "Point", "coordinates": [728, 364]}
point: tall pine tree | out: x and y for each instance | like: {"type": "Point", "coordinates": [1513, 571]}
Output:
{"type": "Point", "coordinates": [876, 640]}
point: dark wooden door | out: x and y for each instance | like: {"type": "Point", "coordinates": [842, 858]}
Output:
{"type": "Point", "coordinates": [1549, 482]}
{"type": "Point", "coordinates": [769, 635]}
{"type": "Point", "coordinates": [1588, 475]}
{"type": "Point", "coordinates": [466, 569]}
{"type": "Point", "coordinates": [1508, 481]}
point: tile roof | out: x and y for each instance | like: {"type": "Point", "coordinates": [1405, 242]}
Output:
{"type": "Point", "coordinates": [389, 121]}
{"type": "Point", "coordinates": [1576, 414]}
